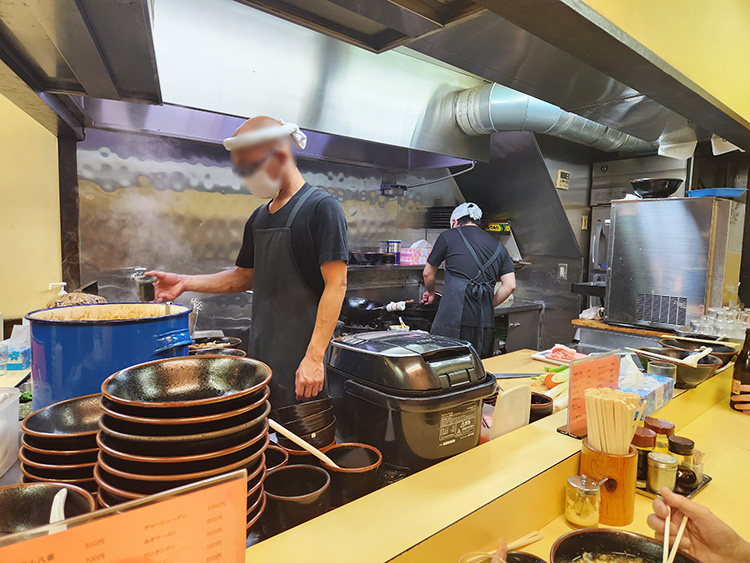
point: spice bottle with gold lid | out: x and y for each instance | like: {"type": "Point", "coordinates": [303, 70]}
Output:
{"type": "Point", "coordinates": [663, 429]}
{"type": "Point", "coordinates": [644, 440]}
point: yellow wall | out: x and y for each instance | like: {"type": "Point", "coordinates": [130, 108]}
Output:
{"type": "Point", "coordinates": [29, 212]}
{"type": "Point", "coordinates": [707, 41]}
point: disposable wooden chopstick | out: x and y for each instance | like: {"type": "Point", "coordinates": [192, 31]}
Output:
{"type": "Point", "coordinates": [678, 539]}
{"type": "Point", "coordinates": [665, 547]}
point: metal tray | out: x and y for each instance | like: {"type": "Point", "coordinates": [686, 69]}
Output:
{"type": "Point", "coordinates": [703, 484]}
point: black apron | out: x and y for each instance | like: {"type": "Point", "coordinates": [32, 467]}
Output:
{"type": "Point", "coordinates": [284, 308]}
{"type": "Point", "coordinates": [457, 287]}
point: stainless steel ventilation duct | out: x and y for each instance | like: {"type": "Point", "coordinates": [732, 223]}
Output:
{"type": "Point", "coordinates": [493, 107]}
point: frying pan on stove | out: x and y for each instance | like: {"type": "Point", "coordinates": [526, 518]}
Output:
{"type": "Point", "coordinates": [361, 310]}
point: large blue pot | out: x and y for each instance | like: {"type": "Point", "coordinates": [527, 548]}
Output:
{"type": "Point", "coordinates": [74, 349]}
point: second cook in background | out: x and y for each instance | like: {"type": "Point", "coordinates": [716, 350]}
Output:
{"type": "Point", "coordinates": [474, 262]}
{"type": "Point", "coordinates": [293, 257]}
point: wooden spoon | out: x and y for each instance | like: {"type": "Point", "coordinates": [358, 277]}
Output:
{"type": "Point", "coordinates": [302, 443]}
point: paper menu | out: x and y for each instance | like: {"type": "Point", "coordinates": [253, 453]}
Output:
{"type": "Point", "coordinates": [207, 524]}
{"type": "Point", "coordinates": [597, 371]}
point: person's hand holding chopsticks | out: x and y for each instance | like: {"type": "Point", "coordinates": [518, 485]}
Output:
{"type": "Point", "coordinates": [706, 537]}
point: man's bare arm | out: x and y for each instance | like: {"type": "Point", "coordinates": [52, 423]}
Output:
{"type": "Point", "coordinates": [429, 274]}
{"type": "Point", "coordinates": [509, 286]}
{"type": "Point", "coordinates": [310, 375]}
{"type": "Point", "coordinates": [170, 286]}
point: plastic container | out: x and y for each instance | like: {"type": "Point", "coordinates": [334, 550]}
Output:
{"type": "Point", "coordinates": [10, 427]}
{"type": "Point", "coordinates": [71, 357]}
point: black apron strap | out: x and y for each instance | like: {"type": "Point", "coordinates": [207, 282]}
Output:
{"type": "Point", "coordinates": [482, 267]}
{"type": "Point", "coordinates": [298, 206]}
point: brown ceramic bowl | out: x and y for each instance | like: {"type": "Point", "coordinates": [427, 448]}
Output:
{"type": "Point", "coordinates": [61, 457]}
{"type": "Point", "coordinates": [357, 474]}
{"type": "Point", "coordinates": [185, 432]}
{"type": "Point", "coordinates": [725, 353]}
{"type": "Point", "coordinates": [53, 473]}
{"type": "Point", "coordinates": [318, 439]}
{"type": "Point", "coordinates": [219, 352]}
{"type": "Point", "coordinates": [60, 444]}
{"type": "Point", "coordinates": [179, 467]}
{"type": "Point", "coordinates": [110, 409]}
{"type": "Point", "coordinates": [179, 472]}
{"type": "Point", "coordinates": [45, 465]}
{"type": "Point", "coordinates": [300, 410]}
{"type": "Point", "coordinates": [312, 423]}
{"type": "Point", "coordinates": [191, 381]}
{"type": "Point", "coordinates": [522, 557]}
{"type": "Point", "coordinates": [251, 510]}
{"type": "Point", "coordinates": [601, 541]}
{"type": "Point", "coordinates": [276, 457]}
{"type": "Point", "coordinates": [255, 477]}
{"type": "Point", "coordinates": [113, 491]}
{"type": "Point", "coordinates": [301, 457]}
{"type": "Point", "coordinates": [74, 421]}
{"type": "Point", "coordinates": [295, 494]}
{"type": "Point", "coordinates": [87, 484]}
{"type": "Point", "coordinates": [541, 406]}
{"type": "Point", "coordinates": [260, 510]}
{"type": "Point", "coordinates": [109, 500]}
{"type": "Point", "coordinates": [113, 447]}
{"type": "Point", "coordinates": [27, 506]}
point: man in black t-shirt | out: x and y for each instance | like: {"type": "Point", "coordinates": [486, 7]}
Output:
{"type": "Point", "coordinates": [293, 257]}
{"type": "Point", "coordinates": [474, 261]}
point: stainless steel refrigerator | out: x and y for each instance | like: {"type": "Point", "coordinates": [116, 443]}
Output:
{"type": "Point", "coordinates": [670, 259]}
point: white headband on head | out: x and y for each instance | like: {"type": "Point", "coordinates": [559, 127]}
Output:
{"type": "Point", "coordinates": [470, 209]}
{"type": "Point", "coordinates": [264, 134]}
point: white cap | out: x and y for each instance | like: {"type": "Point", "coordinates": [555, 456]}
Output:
{"type": "Point", "coordinates": [467, 209]}
{"type": "Point", "coordinates": [265, 134]}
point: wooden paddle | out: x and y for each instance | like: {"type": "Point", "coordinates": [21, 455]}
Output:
{"type": "Point", "coordinates": [301, 443]}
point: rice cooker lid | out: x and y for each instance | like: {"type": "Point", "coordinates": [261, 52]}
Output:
{"type": "Point", "coordinates": [411, 361]}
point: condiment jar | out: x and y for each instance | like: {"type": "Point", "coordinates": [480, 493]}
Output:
{"type": "Point", "coordinates": [582, 497]}
{"type": "Point", "coordinates": [682, 449]}
{"type": "Point", "coordinates": [644, 440]}
{"type": "Point", "coordinates": [663, 428]}
{"type": "Point", "coordinates": [662, 472]}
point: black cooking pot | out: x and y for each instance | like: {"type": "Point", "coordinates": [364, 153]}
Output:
{"type": "Point", "coordinates": [541, 406]}
{"type": "Point", "coordinates": [299, 410]}
{"type": "Point", "coordinates": [357, 474]}
{"type": "Point", "coordinates": [295, 494]}
{"type": "Point", "coordinates": [573, 545]}
{"type": "Point", "coordinates": [319, 439]}
{"type": "Point", "coordinates": [361, 310]}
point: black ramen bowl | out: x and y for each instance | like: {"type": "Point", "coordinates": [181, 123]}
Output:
{"type": "Point", "coordinates": [522, 557]}
{"type": "Point", "coordinates": [655, 187]}
{"type": "Point", "coordinates": [295, 494]}
{"type": "Point", "coordinates": [193, 381]}
{"type": "Point", "coordinates": [357, 474]}
{"type": "Point", "coordinates": [725, 353]}
{"type": "Point", "coordinates": [299, 410]}
{"type": "Point", "coordinates": [71, 424]}
{"type": "Point", "coordinates": [687, 376]}
{"type": "Point", "coordinates": [319, 439]}
{"type": "Point", "coordinates": [309, 424]}
{"type": "Point", "coordinates": [27, 506]}
{"type": "Point", "coordinates": [573, 545]}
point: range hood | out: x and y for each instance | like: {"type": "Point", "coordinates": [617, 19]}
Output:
{"type": "Point", "coordinates": [313, 62]}
{"type": "Point", "coordinates": [374, 25]}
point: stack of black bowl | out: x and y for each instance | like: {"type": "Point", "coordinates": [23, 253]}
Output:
{"type": "Point", "coordinates": [59, 443]}
{"type": "Point", "coordinates": [177, 421]}
{"type": "Point", "coordinates": [312, 421]}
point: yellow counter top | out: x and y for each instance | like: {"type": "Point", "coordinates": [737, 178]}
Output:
{"type": "Point", "coordinates": [505, 488]}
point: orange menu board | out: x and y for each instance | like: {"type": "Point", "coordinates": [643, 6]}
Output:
{"type": "Point", "coordinates": [206, 525]}
{"type": "Point", "coordinates": [597, 371]}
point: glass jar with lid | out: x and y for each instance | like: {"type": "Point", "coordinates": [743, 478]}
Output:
{"type": "Point", "coordinates": [644, 441]}
{"type": "Point", "coordinates": [663, 429]}
{"type": "Point", "coordinates": [582, 498]}
{"type": "Point", "coordinates": [662, 472]}
{"type": "Point", "coordinates": [682, 449]}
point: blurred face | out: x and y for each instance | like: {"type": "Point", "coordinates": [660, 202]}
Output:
{"type": "Point", "coordinates": [268, 157]}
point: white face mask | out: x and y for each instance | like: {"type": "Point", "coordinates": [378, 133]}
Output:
{"type": "Point", "coordinates": [261, 185]}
